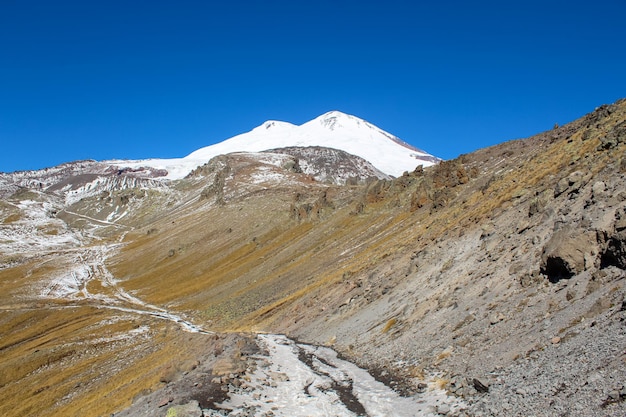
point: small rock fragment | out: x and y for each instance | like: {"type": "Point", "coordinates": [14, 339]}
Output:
{"type": "Point", "coordinates": [165, 401]}
{"type": "Point", "coordinates": [479, 386]}
{"type": "Point", "coordinates": [443, 409]}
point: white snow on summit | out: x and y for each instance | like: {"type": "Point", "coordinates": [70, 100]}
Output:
{"type": "Point", "coordinates": [333, 130]}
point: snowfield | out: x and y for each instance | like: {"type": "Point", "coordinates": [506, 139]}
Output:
{"type": "Point", "coordinates": [303, 380]}
{"type": "Point", "coordinates": [332, 130]}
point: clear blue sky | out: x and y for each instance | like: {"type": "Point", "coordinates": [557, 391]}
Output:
{"type": "Point", "coordinates": [137, 79]}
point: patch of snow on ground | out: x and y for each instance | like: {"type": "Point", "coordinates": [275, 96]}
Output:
{"type": "Point", "coordinates": [67, 285]}
{"type": "Point", "coordinates": [28, 233]}
{"type": "Point", "coordinates": [265, 175]}
{"type": "Point", "coordinates": [275, 159]}
{"type": "Point", "coordinates": [130, 334]}
{"type": "Point", "coordinates": [303, 380]}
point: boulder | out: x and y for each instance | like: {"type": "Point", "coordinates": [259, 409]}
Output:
{"type": "Point", "coordinates": [614, 137]}
{"type": "Point", "coordinates": [571, 184]}
{"type": "Point", "coordinates": [565, 253]}
{"type": "Point", "coordinates": [191, 409]}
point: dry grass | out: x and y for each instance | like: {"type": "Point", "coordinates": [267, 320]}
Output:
{"type": "Point", "coordinates": [446, 353]}
{"type": "Point", "coordinates": [392, 322]}
{"type": "Point", "coordinates": [82, 361]}
{"type": "Point", "coordinates": [417, 372]}
{"type": "Point", "coordinates": [11, 218]}
{"type": "Point", "coordinates": [261, 264]}
{"type": "Point", "coordinates": [440, 383]}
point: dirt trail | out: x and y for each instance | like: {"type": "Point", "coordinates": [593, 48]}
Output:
{"type": "Point", "coordinates": [88, 264]}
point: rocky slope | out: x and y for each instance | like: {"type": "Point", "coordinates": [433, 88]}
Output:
{"type": "Point", "coordinates": [498, 277]}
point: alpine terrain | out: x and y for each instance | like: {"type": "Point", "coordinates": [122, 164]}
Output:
{"type": "Point", "coordinates": [327, 269]}
{"type": "Point", "coordinates": [334, 130]}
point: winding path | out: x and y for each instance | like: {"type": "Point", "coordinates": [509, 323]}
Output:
{"type": "Point", "coordinates": [290, 379]}
{"type": "Point", "coordinates": [88, 264]}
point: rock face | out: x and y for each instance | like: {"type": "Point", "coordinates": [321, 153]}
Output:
{"type": "Point", "coordinates": [81, 179]}
{"type": "Point", "coordinates": [332, 166]}
{"type": "Point", "coordinates": [615, 253]}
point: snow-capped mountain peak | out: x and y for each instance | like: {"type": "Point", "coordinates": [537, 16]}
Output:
{"type": "Point", "coordinates": [331, 130]}
{"type": "Point", "coordinates": [274, 125]}
{"type": "Point", "coordinates": [334, 119]}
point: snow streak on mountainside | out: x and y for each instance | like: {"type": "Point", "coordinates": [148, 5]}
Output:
{"type": "Point", "coordinates": [77, 180]}
{"type": "Point", "coordinates": [332, 130]}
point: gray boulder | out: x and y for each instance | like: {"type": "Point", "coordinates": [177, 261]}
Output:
{"type": "Point", "coordinates": [568, 253]}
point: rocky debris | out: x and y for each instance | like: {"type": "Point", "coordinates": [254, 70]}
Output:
{"type": "Point", "coordinates": [615, 137]}
{"type": "Point", "coordinates": [615, 253]}
{"type": "Point", "coordinates": [197, 391]}
{"type": "Point", "coordinates": [572, 184]}
{"type": "Point", "coordinates": [578, 366]}
{"type": "Point", "coordinates": [217, 169]}
{"type": "Point", "coordinates": [496, 318]}
{"type": "Point", "coordinates": [165, 401]}
{"type": "Point", "coordinates": [331, 166]}
{"type": "Point", "coordinates": [615, 396]}
{"type": "Point", "coordinates": [301, 210]}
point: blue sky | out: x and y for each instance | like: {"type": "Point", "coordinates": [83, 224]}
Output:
{"type": "Point", "coordinates": [137, 79]}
